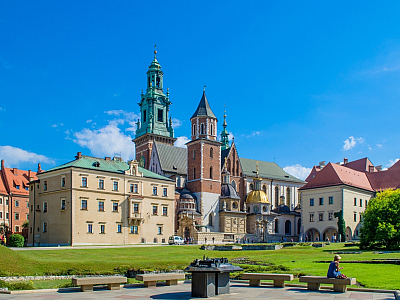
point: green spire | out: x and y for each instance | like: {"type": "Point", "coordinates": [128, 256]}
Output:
{"type": "Point", "coordinates": [224, 135]}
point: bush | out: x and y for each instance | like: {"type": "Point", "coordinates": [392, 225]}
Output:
{"type": "Point", "coordinates": [17, 286]}
{"type": "Point", "coordinates": [16, 240]}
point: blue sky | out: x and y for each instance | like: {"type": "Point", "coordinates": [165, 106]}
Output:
{"type": "Point", "coordinates": [302, 81]}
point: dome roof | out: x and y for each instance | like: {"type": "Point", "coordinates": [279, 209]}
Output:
{"type": "Point", "coordinates": [186, 196]}
{"type": "Point", "coordinates": [257, 197]}
{"type": "Point", "coordinates": [282, 209]}
{"type": "Point", "coordinates": [228, 191]}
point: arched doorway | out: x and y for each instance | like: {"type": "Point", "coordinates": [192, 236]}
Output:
{"type": "Point", "coordinates": [349, 235]}
{"type": "Point", "coordinates": [186, 233]}
{"type": "Point", "coordinates": [312, 235]}
{"type": "Point", "coordinates": [328, 233]}
{"type": "Point", "coordinates": [288, 227]}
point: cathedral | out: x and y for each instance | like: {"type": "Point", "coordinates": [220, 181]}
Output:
{"type": "Point", "coordinates": [220, 196]}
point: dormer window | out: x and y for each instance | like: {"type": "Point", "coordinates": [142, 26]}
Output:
{"type": "Point", "coordinates": [96, 164]}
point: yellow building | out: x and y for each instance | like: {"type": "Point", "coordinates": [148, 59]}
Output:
{"type": "Point", "coordinates": [93, 201]}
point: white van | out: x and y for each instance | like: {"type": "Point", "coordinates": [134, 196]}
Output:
{"type": "Point", "coordinates": [175, 240]}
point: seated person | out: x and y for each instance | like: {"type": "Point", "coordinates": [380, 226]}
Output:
{"type": "Point", "coordinates": [333, 271]}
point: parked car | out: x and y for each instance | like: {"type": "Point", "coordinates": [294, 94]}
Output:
{"type": "Point", "coordinates": [175, 240]}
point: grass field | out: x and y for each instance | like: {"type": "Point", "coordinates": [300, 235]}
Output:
{"type": "Point", "coordinates": [298, 260]}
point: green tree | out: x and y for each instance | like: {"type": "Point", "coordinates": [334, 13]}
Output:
{"type": "Point", "coordinates": [381, 221]}
{"type": "Point", "coordinates": [16, 240]}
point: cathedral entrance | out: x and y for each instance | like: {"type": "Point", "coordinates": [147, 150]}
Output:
{"type": "Point", "coordinates": [186, 233]}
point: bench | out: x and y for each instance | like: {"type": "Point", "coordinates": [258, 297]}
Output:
{"type": "Point", "coordinates": [339, 285]}
{"type": "Point", "coordinates": [86, 284]}
{"type": "Point", "coordinates": [279, 279]}
{"type": "Point", "coordinates": [151, 279]}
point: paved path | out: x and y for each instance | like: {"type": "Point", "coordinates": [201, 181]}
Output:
{"type": "Point", "coordinates": [182, 291]}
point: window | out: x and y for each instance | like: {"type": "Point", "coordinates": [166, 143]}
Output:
{"type": "Point", "coordinates": [17, 228]}
{"type": "Point", "coordinates": [155, 210]}
{"type": "Point", "coordinates": [330, 200]}
{"type": "Point", "coordinates": [101, 205]}
{"type": "Point", "coordinates": [16, 216]}
{"type": "Point", "coordinates": [210, 219]}
{"type": "Point", "coordinates": [202, 128]}
{"type": "Point", "coordinates": [63, 203]}
{"type": "Point", "coordinates": [360, 202]}
{"type": "Point", "coordinates": [312, 202]}
{"type": "Point", "coordinates": [17, 187]}
{"type": "Point", "coordinates": [101, 184]}
{"type": "Point", "coordinates": [355, 201]}
{"type": "Point", "coordinates": [44, 226]}
{"type": "Point", "coordinates": [276, 196]}
{"type": "Point", "coordinates": [27, 216]}
{"type": "Point", "coordinates": [115, 206]}
{"type": "Point", "coordinates": [330, 216]}
{"type": "Point", "coordinates": [45, 186]}
{"type": "Point", "coordinates": [165, 211]}
{"type": "Point", "coordinates": [366, 203]}
{"type": "Point", "coordinates": [321, 217]}
{"type": "Point", "coordinates": [311, 217]}
{"type": "Point", "coordinates": [194, 129]}
{"type": "Point", "coordinates": [321, 201]}
{"type": "Point", "coordinates": [160, 116]}
{"type": "Point", "coordinates": [135, 188]}
{"type": "Point", "coordinates": [357, 232]}
{"type": "Point", "coordinates": [288, 197]}
{"type": "Point", "coordinates": [63, 181]}
{"type": "Point", "coordinates": [211, 152]}
{"type": "Point", "coordinates": [355, 217]}
{"type": "Point", "coordinates": [90, 228]}
{"type": "Point", "coordinates": [16, 203]}
{"type": "Point", "coordinates": [360, 217]}
{"type": "Point", "coordinates": [251, 187]}
{"type": "Point", "coordinates": [154, 190]}
{"type": "Point", "coordinates": [159, 229]}
{"type": "Point", "coordinates": [131, 188]}
{"type": "Point", "coordinates": [135, 207]}
{"type": "Point", "coordinates": [44, 207]}
{"type": "Point", "coordinates": [115, 186]}
{"type": "Point", "coordinates": [83, 204]}
{"type": "Point", "coordinates": [165, 192]}
{"type": "Point", "coordinates": [1, 215]}
{"type": "Point", "coordinates": [144, 116]}
{"type": "Point", "coordinates": [211, 173]}
{"type": "Point", "coordinates": [102, 228]}
{"type": "Point", "coordinates": [194, 173]}
{"type": "Point", "coordinates": [134, 229]}
{"type": "Point", "coordinates": [7, 216]}
{"type": "Point", "coordinates": [1, 201]}
{"type": "Point", "coordinates": [84, 181]}
{"type": "Point", "coordinates": [119, 228]}
{"type": "Point", "coordinates": [27, 204]}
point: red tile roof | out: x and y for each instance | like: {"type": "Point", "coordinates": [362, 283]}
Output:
{"type": "Point", "coordinates": [362, 165]}
{"type": "Point", "coordinates": [14, 177]}
{"type": "Point", "coordinates": [313, 172]}
{"type": "Point", "coordinates": [383, 180]}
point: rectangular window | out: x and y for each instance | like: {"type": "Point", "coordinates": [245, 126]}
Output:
{"type": "Point", "coordinates": [311, 217]}
{"type": "Point", "coordinates": [101, 205]}
{"type": "Point", "coordinates": [135, 188]}
{"type": "Point", "coordinates": [84, 204]}
{"type": "Point", "coordinates": [17, 187]}
{"type": "Point", "coordinates": [131, 188]}
{"type": "Point", "coordinates": [312, 202]}
{"type": "Point", "coordinates": [44, 207]}
{"type": "Point", "coordinates": [165, 192]}
{"type": "Point", "coordinates": [159, 229]}
{"type": "Point", "coordinates": [44, 227]}
{"type": "Point", "coordinates": [321, 201]}
{"type": "Point", "coordinates": [155, 209]}
{"type": "Point", "coordinates": [144, 116]}
{"type": "Point", "coordinates": [115, 186]}
{"type": "Point", "coordinates": [27, 216]}
{"type": "Point", "coordinates": [45, 186]}
{"type": "Point", "coordinates": [355, 201]}
{"type": "Point", "coordinates": [154, 190]}
{"type": "Point", "coordinates": [321, 217]}
{"type": "Point", "coordinates": [115, 206]}
{"type": "Point", "coordinates": [136, 207]}
{"type": "Point", "coordinates": [16, 203]}
{"type": "Point", "coordinates": [102, 228]}
{"type": "Point", "coordinates": [27, 204]}
{"type": "Point", "coordinates": [84, 181]}
{"type": "Point", "coordinates": [62, 181]}
{"type": "Point", "coordinates": [7, 216]}
{"type": "Point", "coordinates": [165, 211]}
{"type": "Point", "coordinates": [360, 217]}
{"type": "Point", "coordinates": [160, 116]}
{"type": "Point", "coordinates": [355, 217]}
{"type": "Point", "coordinates": [360, 202]}
{"type": "Point", "coordinates": [1, 215]}
{"type": "Point", "coordinates": [330, 216]}
{"type": "Point", "coordinates": [101, 184]}
{"type": "Point", "coordinates": [357, 232]}
{"type": "Point", "coordinates": [16, 216]}
{"type": "Point", "coordinates": [90, 228]}
{"type": "Point", "coordinates": [16, 228]}
{"type": "Point", "coordinates": [134, 229]}
{"type": "Point", "coordinates": [366, 203]}
{"type": "Point", "coordinates": [63, 203]}
{"type": "Point", "coordinates": [119, 228]}
{"type": "Point", "coordinates": [330, 200]}
{"type": "Point", "coordinates": [1, 201]}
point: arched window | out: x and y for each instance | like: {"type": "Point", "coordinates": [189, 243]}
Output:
{"type": "Point", "coordinates": [194, 129]}
{"type": "Point", "coordinates": [202, 128]}
{"type": "Point", "coordinates": [288, 227]}
{"type": "Point", "coordinates": [276, 226]}
{"type": "Point", "coordinates": [288, 196]}
{"type": "Point", "coordinates": [211, 152]}
{"type": "Point", "coordinates": [251, 187]}
{"type": "Point", "coordinates": [211, 129]}
{"type": "Point", "coordinates": [194, 173]}
{"type": "Point", "coordinates": [276, 196]}
{"type": "Point", "coordinates": [298, 226]}
{"type": "Point", "coordinates": [234, 205]}
{"type": "Point", "coordinates": [211, 172]}
{"type": "Point", "coordinates": [210, 219]}
{"type": "Point", "coordinates": [265, 188]}
{"type": "Point", "coordinates": [237, 168]}
{"type": "Point", "coordinates": [158, 82]}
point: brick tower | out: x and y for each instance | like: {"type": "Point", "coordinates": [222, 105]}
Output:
{"type": "Point", "coordinates": [204, 163]}
{"type": "Point", "coordinates": [154, 124]}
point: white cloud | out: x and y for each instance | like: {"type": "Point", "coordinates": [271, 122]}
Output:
{"type": "Point", "coordinates": [392, 162]}
{"type": "Point", "coordinates": [231, 136]}
{"type": "Point", "coordinates": [57, 125]}
{"type": "Point", "coordinates": [89, 121]}
{"type": "Point", "coordinates": [176, 123]}
{"type": "Point", "coordinates": [106, 141]}
{"type": "Point", "coordinates": [254, 133]}
{"type": "Point", "coordinates": [379, 145]}
{"type": "Point", "coordinates": [181, 141]}
{"type": "Point", "coordinates": [351, 142]}
{"type": "Point", "coordinates": [13, 156]}
{"type": "Point", "coordinates": [298, 171]}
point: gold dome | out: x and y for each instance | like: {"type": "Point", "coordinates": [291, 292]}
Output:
{"type": "Point", "coordinates": [257, 197]}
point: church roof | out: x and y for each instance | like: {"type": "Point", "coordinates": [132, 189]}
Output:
{"type": "Point", "coordinates": [172, 159]}
{"type": "Point", "coordinates": [268, 170]}
{"type": "Point", "coordinates": [228, 191]}
{"type": "Point", "coordinates": [204, 109]}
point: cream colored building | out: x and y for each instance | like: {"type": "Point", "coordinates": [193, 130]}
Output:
{"type": "Point", "coordinates": [93, 201]}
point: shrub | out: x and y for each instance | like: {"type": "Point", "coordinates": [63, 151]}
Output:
{"type": "Point", "coordinates": [16, 240]}
{"type": "Point", "coordinates": [17, 286]}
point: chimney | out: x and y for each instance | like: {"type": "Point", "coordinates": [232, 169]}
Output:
{"type": "Point", "coordinates": [39, 168]}
{"type": "Point", "coordinates": [379, 168]}
{"type": "Point", "coordinates": [78, 155]}
{"type": "Point", "coordinates": [321, 164]}
{"type": "Point", "coordinates": [29, 174]}
{"type": "Point", "coordinates": [371, 169]}
{"type": "Point", "coordinates": [2, 164]}
{"type": "Point", "coordinates": [108, 158]}
{"type": "Point", "coordinates": [345, 161]}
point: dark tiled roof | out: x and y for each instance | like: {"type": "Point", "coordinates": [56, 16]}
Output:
{"type": "Point", "coordinates": [228, 191]}
{"type": "Point", "coordinates": [172, 159]}
{"type": "Point", "coordinates": [389, 179]}
{"type": "Point", "coordinates": [204, 109]}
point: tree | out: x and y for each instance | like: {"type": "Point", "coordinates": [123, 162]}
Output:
{"type": "Point", "coordinates": [381, 221]}
{"type": "Point", "coordinates": [25, 224]}
{"type": "Point", "coordinates": [16, 240]}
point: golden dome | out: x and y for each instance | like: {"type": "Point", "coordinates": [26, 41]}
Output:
{"type": "Point", "coordinates": [257, 197]}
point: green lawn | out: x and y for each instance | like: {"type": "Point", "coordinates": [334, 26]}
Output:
{"type": "Point", "coordinates": [299, 260]}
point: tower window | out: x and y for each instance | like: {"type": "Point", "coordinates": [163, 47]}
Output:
{"type": "Point", "coordinates": [211, 152]}
{"type": "Point", "coordinates": [211, 173]}
{"type": "Point", "coordinates": [202, 128]}
{"type": "Point", "coordinates": [194, 154]}
{"type": "Point", "coordinates": [194, 173]}
{"type": "Point", "coordinates": [158, 82]}
{"type": "Point", "coordinates": [211, 129]}
{"type": "Point", "coordinates": [160, 116]}
{"type": "Point", "coordinates": [144, 116]}
{"type": "Point", "coordinates": [194, 129]}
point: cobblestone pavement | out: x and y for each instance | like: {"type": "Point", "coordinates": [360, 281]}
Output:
{"type": "Point", "coordinates": [182, 291]}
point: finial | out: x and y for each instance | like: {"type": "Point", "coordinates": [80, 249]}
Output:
{"type": "Point", "coordinates": [204, 88]}
{"type": "Point", "coordinates": [155, 51]}
{"type": "Point", "coordinates": [257, 168]}
{"type": "Point", "coordinates": [225, 163]}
